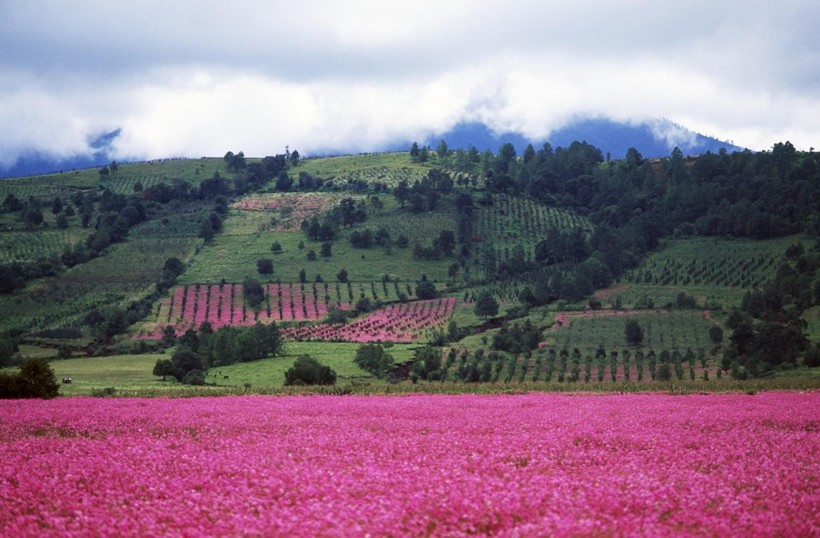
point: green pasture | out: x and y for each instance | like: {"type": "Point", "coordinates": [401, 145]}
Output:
{"type": "Point", "coordinates": [130, 374]}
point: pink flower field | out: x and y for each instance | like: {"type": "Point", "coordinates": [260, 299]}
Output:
{"type": "Point", "coordinates": [510, 465]}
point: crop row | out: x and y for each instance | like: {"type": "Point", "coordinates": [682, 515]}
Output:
{"type": "Point", "coordinates": [572, 365]}
{"type": "Point", "coordinates": [401, 322]}
{"type": "Point", "coordinates": [736, 264]}
{"type": "Point", "coordinates": [224, 304]}
{"type": "Point", "coordinates": [30, 245]}
{"type": "Point", "coordinates": [673, 329]}
{"type": "Point", "coordinates": [515, 220]}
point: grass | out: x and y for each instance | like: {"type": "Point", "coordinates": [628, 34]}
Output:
{"type": "Point", "coordinates": [132, 374]}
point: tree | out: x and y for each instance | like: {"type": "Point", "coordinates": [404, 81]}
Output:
{"type": "Point", "coordinates": [486, 305]}
{"type": "Point", "coordinates": [326, 250]}
{"type": "Point", "coordinates": [254, 293]}
{"type": "Point", "coordinates": [446, 242]}
{"type": "Point", "coordinates": [185, 361]}
{"type": "Point", "coordinates": [341, 276]}
{"type": "Point", "coordinates": [163, 367]}
{"type": "Point", "coordinates": [633, 332]}
{"type": "Point", "coordinates": [264, 266]}
{"type": "Point", "coordinates": [308, 371]}
{"type": "Point", "coordinates": [34, 380]}
{"type": "Point", "coordinates": [402, 192]}
{"type": "Point", "coordinates": [426, 289]}
{"type": "Point", "coordinates": [374, 359]}
{"type": "Point", "coordinates": [442, 150]}
{"type": "Point", "coordinates": [716, 334]}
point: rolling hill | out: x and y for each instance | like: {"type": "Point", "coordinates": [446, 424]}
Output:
{"type": "Point", "coordinates": [394, 249]}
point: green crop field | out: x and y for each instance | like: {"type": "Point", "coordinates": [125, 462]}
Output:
{"type": "Point", "coordinates": [385, 168]}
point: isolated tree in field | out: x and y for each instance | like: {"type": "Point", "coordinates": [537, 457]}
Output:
{"type": "Point", "coordinates": [633, 332]}
{"type": "Point", "coordinates": [163, 368]}
{"type": "Point", "coordinates": [446, 242]}
{"type": "Point", "coordinates": [254, 293]}
{"type": "Point", "coordinates": [426, 289]}
{"type": "Point", "coordinates": [264, 266]}
{"type": "Point", "coordinates": [308, 371]}
{"type": "Point", "coordinates": [486, 305]}
{"type": "Point", "coordinates": [341, 276]}
{"type": "Point", "coordinates": [326, 250]}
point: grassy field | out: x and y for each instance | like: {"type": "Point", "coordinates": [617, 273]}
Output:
{"type": "Point", "coordinates": [132, 374]}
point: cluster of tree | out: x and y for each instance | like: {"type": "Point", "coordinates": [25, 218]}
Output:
{"type": "Point", "coordinates": [517, 338]}
{"type": "Point", "coordinates": [116, 214]}
{"type": "Point", "coordinates": [768, 330]}
{"type": "Point", "coordinates": [366, 238]}
{"type": "Point", "coordinates": [35, 379]}
{"type": "Point", "coordinates": [306, 370]}
{"type": "Point", "coordinates": [374, 359]}
{"type": "Point", "coordinates": [199, 350]}
{"type": "Point", "coordinates": [426, 193]}
{"type": "Point", "coordinates": [426, 289]}
{"type": "Point", "coordinates": [30, 212]}
{"type": "Point", "coordinates": [442, 245]}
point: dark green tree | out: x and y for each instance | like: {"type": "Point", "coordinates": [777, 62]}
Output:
{"type": "Point", "coordinates": [633, 332]}
{"type": "Point", "coordinates": [374, 359]}
{"type": "Point", "coordinates": [308, 371]}
{"type": "Point", "coordinates": [264, 266]}
{"type": "Point", "coordinates": [163, 367]}
{"type": "Point", "coordinates": [486, 305]}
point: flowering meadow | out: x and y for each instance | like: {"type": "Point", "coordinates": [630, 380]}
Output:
{"type": "Point", "coordinates": [402, 322]}
{"type": "Point", "coordinates": [223, 305]}
{"type": "Point", "coordinates": [505, 465]}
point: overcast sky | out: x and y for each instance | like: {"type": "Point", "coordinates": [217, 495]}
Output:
{"type": "Point", "coordinates": [193, 78]}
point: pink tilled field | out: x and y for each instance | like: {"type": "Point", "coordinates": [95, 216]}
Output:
{"type": "Point", "coordinates": [502, 465]}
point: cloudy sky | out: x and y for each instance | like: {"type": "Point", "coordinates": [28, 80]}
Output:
{"type": "Point", "coordinates": [193, 78]}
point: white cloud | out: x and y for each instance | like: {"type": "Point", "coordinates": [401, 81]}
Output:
{"type": "Point", "coordinates": [194, 78]}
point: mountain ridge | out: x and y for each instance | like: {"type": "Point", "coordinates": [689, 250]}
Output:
{"type": "Point", "coordinates": [652, 139]}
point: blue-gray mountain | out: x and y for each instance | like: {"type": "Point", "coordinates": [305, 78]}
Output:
{"type": "Point", "coordinates": [651, 139]}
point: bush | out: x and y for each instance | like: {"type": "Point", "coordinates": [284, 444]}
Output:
{"type": "Point", "coordinates": [308, 371]}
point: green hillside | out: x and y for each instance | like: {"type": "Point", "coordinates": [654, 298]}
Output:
{"type": "Point", "coordinates": [569, 246]}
